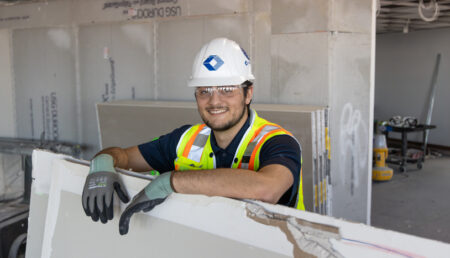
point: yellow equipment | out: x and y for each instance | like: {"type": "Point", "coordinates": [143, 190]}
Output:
{"type": "Point", "coordinates": [380, 171]}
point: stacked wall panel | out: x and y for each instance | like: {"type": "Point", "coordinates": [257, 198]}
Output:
{"type": "Point", "coordinates": [128, 123]}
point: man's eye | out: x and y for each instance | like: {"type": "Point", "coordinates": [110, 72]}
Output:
{"type": "Point", "coordinates": [227, 89]}
{"type": "Point", "coordinates": [203, 91]}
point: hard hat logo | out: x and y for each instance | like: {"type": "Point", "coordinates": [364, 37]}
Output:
{"type": "Point", "coordinates": [246, 62]}
{"type": "Point", "coordinates": [245, 54]}
{"type": "Point", "coordinates": [213, 62]}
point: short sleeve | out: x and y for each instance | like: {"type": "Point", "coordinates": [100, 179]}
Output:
{"type": "Point", "coordinates": [161, 153]}
{"type": "Point", "coordinates": [286, 151]}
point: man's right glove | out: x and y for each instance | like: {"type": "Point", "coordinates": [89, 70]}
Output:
{"type": "Point", "coordinates": [153, 194]}
{"type": "Point", "coordinates": [99, 188]}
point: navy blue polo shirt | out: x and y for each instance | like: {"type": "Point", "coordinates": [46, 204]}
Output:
{"type": "Point", "coordinates": [161, 153]}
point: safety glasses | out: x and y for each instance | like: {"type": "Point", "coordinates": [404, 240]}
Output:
{"type": "Point", "coordinates": [222, 91]}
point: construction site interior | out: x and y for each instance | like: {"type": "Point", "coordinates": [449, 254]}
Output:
{"type": "Point", "coordinates": [362, 85]}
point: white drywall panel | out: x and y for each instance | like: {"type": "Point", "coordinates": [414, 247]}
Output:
{"type": "Point", "coordinates": [40, 189]}
{"type": "Point", "coordinates": [207, 227]}
{"type": "Point", "coordinates": [261, 61]}
{"type": "Point", "coordinates": [350, 125]}
{"type": "Point", "coordinates": [116, 62]}
{"type": "Point", "coordinates": [8, 125]}
{"type": "Point", "coordinates": [108, 11]}
{"type": "Point", "coordinates": [126, 123]}
{"type": "Point", "coordinates": [64, 12]}
{"type": "Point", "coordinates": [167, 240]}
{"type": "Point", "coordinates": [404, 67]}
{"type": "Point", "coordinates": [177, 49]}
{"type": "Point", "coordinates": [214, 7]}
{"type": "Point", "coordinates": [292, 16]}
{"type": "Point", "coordinates": [192, 235]}
{"type": "Point", "coordinates": [101, 11]}
{"type": "Point", "coordinates": [44, 70]}
{"type": "Point", "coordinates": [300, 68]}
{"type": "Point", "coordinates": [260, 5]}
{"type": "Point", "coordinates": [351, 16]}
{"type": "Point", "coordinates": [38, 14]}
{"type": "Point", "coordinates": [36, 224]}
{"type": "Point", "coordinates": [11, 174]}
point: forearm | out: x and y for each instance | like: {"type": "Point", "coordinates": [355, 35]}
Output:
{"type": "Point", "coordinates": [128, 158]}
{"type": "Point", "coordinates": [119, 155]}
{"type": "Point", "coordinates": [234, 183]}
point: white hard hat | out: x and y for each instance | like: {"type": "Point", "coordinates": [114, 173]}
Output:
{"type": "Point", "coordinates": [221, 62]}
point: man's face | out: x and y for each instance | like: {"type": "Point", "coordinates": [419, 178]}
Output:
{"type": "Point", "coordinates": [222, 107]}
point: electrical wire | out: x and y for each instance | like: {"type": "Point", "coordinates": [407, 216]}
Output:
{"type": "Point", "coordinates": [433, 3]}
{"type": "Point", "coordinates": [378, 8]}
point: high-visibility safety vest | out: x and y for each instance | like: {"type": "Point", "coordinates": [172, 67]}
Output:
{"type": "Point", "coordinates": [194, 151]}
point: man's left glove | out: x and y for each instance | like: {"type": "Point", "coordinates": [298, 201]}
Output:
{"type": "Point", "coordinates": [153, 194]}
{"type": "Point", "coordinates": [102, 181]}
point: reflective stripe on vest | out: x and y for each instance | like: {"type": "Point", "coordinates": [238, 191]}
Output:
{"type": "Point", "coordinates": [253, 149]}
{"type": "Point", "coordinates": [194, 151]}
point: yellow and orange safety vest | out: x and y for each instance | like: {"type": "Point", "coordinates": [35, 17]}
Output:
{"type": "Point", "coordinates": [194, 151]}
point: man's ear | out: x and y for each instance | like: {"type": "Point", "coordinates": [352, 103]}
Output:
{"type": "Point", "coordinates": [249, 96]}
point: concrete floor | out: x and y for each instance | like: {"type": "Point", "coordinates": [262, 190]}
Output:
{"type": "Point", "coordinates": [416, 202]}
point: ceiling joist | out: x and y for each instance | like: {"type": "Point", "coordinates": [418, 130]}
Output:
{"type": "Point", "coordinates": [404, 16]}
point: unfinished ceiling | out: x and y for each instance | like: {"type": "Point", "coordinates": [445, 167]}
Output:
{"type": "Point", "coordinates": [411, 15]}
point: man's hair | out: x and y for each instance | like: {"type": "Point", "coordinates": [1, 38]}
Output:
{"type": "Point", "coordinates": [245, 86]}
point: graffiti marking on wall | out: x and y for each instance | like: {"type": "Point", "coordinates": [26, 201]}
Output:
{"type": "Point", "coordinates": [113, 79]}
{"type": "Point", "coordinates": [50, 121]}
{"type": "Point", "coordinates": [105, 95]}
{"type": "Point", "coordinates": [144, 9]}
{"type": "Point", "coordinates": [54, 115]}
{"type": "Point", "coordinates": [160, 12]}
{"type": "Point", "coordinates": [14, 18]}
{"type": "Point", "coordinates": [31, 118]}
{"type": "Point", "coordinates": [353, 152]}
{"type": "Point", "coordinates": [124, 3]}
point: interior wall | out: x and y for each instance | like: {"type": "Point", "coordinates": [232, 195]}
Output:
{"type": "Point", "coordinates": [322, 53]}
{"type": "Point", "coordinates": [7, 127]}
{"type": "Point", "coordinates": [115, 62]}
{"type": "Point", "coordinates": [11, 174]}
{"type": "Point", "coordinates": [308, 52]}
{"type": "Point", "coordinates": [44, 68]}
{"type": "Point", "coordinates": [404, 68]}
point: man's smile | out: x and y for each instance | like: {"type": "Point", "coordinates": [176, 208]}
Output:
{"type": "Point", "coordinates": [217, 111]}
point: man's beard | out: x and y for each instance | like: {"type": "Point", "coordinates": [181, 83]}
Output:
{"type": "Point", "coordinates": [228, 125]}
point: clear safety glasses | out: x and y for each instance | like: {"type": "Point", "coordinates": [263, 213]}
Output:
{"type": "Point", "coordinates": [222, 91]}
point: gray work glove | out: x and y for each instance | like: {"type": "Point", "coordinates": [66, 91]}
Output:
{"type": "Point", "coordinates": [99, 188]}
{"type": "Point", "coordinates": [153, 194]}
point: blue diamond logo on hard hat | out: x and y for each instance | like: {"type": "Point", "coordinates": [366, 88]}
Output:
{"type": "Point", "coordinates": [213, 62]}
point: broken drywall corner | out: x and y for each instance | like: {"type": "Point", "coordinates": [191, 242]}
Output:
{"type": "Point", "coordinates": [309, 239]}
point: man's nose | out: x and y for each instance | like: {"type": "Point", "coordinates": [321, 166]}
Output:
{"type": "Point", "coordinates": [214, 97]}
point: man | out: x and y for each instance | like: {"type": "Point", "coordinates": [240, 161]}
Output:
{"type": "Point", "coordinates": [234, 154]}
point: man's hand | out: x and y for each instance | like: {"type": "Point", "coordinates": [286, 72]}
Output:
{"type": "Point", "coordinates": [153, 194]}
{"type": "Point", "coordinates": [99, 188]}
